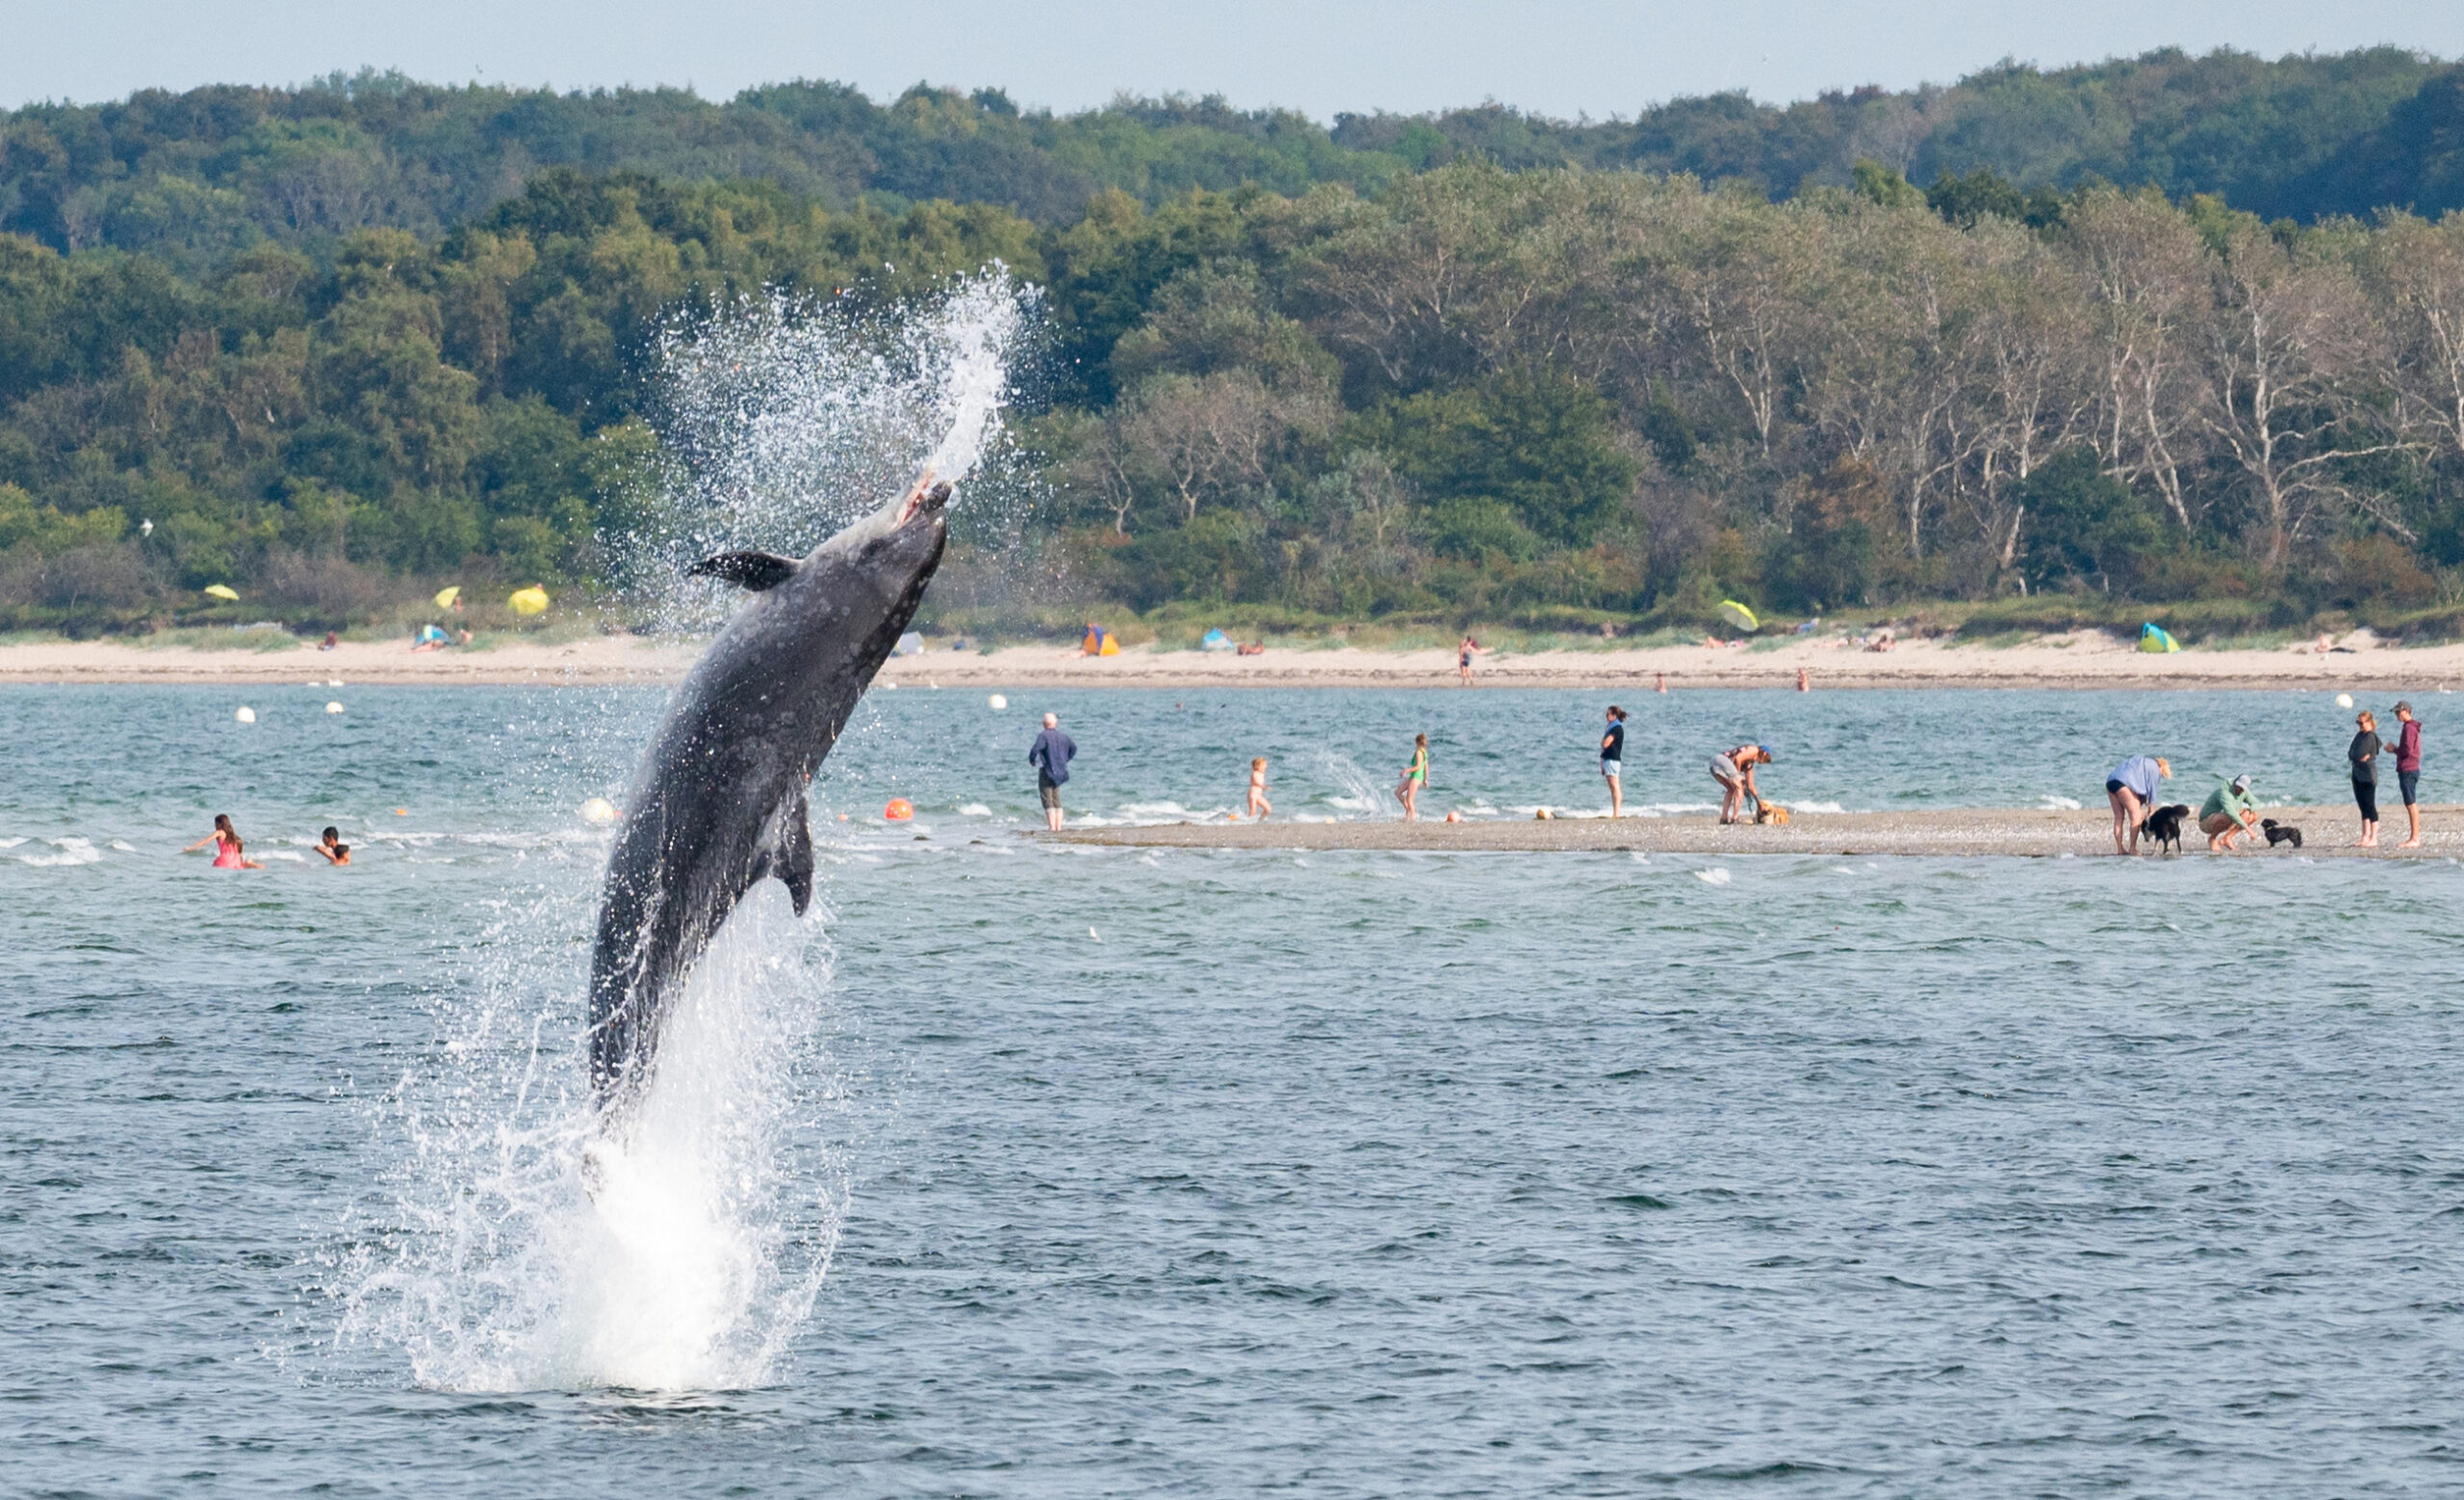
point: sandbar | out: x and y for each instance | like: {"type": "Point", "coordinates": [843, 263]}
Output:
{"type": "Point", "coordinates": [1948, 832]}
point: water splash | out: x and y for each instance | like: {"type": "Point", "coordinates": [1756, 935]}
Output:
{"type": "Point", "coordinates": [781, 420]}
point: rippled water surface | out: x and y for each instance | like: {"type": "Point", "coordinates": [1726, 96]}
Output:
{"type": "Point", "coordinates": [1078, 1172]}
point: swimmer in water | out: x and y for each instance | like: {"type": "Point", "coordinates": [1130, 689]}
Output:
{"type": "Point", "coordinates": [234, 855]}
{"type": "Point", "coordinates": [222, 831]}
{"type": "Point", "coordinates": [1259, 805]}
{"type": "Point", "coordinates": [333, 849]}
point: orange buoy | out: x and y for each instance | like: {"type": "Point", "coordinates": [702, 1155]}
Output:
{"type": "Point", "coordinates": [899, 811]}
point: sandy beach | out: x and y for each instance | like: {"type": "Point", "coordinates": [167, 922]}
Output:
{"type": "Point", "coordinates": [2024, 832]}
{"type": "Point", "coordinates": [2085, 659]}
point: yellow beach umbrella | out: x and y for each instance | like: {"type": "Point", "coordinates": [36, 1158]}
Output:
{"type": "Point", "coordinates": [223, 591]}
{"type": "Point", "coordinates": [1738, 615]}
{"type": "Point", "coordinates": [527, 601]}
{"type": "Point", "coordinates": [444, 597]}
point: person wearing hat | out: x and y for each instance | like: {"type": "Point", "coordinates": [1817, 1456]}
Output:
{"type": "Point", "coordinates": [1734, 772]}
{"type": "Point", "coordinates": [2363, 754]}
{"type": "Point", "coordinates": [2227, 814]}
{"type": "Point", "coordinates": [2408, 771]}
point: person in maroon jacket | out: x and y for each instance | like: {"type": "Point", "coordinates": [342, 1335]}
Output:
{"type": "Point", "coordinates": [2408, 771]}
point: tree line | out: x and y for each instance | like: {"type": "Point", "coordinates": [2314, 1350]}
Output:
{"type": "Point", "coordinates": [1474, 391]}
{"type": "Point", "coordinates": [195, 179]}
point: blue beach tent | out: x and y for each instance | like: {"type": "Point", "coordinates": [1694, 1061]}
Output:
{"type": "Point", "coordinates": [2154, 638]}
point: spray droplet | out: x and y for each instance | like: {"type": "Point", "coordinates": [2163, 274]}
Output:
{"type": "Point", "coordinates": [997, 702]}
{"type": "Point", "coordinates": [599, 812]}
{"type": "Point", "coordinates": [249, 716]}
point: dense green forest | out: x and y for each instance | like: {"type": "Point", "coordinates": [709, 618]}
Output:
{"type": "Point", "coordinates": [2171, 330]}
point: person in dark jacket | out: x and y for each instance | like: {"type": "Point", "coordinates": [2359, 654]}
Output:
{"type": "Point", "coordinates": [2409, 771]}
{"type": "Point", "coordinates": [2364, 753]}
{"type": "Point", "coordinates": [1050, 758]}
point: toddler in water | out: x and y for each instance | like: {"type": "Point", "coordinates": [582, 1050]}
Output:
{"type": "Point", "coordinates": [1259, 805]}
{"type": "Point", "coordinates": [334, 851]}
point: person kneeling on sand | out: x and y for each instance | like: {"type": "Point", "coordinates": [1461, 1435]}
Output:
{"type": "Point", "coordinates": [2227, 814]}
{"type": "Point", "coordinates": [2131, 788]}
{"type": "Point", "coordinates": [1734, 772]}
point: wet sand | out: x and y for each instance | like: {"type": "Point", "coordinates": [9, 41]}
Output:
{"type": "Point", "coordinates": [2078, 660]}
{"type": "Point", "coordinates": [2025, 832]}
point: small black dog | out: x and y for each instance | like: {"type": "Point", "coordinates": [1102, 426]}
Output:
{"type": "Point", "coordinates": [2164, 825]}
{"type": "Point", "coordinates": [2280, 833]}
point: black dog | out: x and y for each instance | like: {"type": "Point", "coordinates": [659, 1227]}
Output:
{"type": "Point", "coordinates": [2280, 833]}
{"type": "Point", "coordinates": [2164, 825]}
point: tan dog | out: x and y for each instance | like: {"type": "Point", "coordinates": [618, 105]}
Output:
{"type": "Point", "coordinates": [1771, 812]}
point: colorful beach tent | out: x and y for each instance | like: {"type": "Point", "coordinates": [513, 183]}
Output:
{"type": "Point", "coordinates": [1214, 641]}
{"type": "Point", "coordinates": [1738, 615]}
{"type": "Point", "coordinates": [1099, 642]}
{"type": "Point", "coordinates": [222, 591]}
{"type": "Point", "coordinates": [2153, 637]}
{"type": "Point", "coordinates": [429, 635]}
{"type": "Point", "coordinates": [444, 597]}
{"type": "Point", "coordinates": [527, 601]}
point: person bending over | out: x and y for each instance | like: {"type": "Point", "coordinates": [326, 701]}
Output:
{"type": "Point", "coordinates": [1734, 772]}
{"type": "Point", "coordinates": [2131, 790]}
{"type": "Point", "coordinates": [2227, 814]}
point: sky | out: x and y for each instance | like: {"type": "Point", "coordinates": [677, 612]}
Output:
{"type": "Point", "coordinates": [1560, 57]}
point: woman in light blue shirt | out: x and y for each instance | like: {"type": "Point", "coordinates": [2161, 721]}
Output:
{"type": "Point", "coordinates": [2132, 789]}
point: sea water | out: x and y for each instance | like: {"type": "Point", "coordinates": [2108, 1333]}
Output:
{"type": "Point", "coordinates": [1030, 1170]}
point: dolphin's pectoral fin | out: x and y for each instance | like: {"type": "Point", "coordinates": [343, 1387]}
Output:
{"type": "Point", "coordinates": [754, 570]}
{"type": "Point", "coordinates": [792, 860]}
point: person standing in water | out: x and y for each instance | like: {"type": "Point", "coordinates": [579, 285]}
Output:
{"type": "Point", "coordinates": [1259, 805]}
{"type": "Point", "coordinates": [232, 854]}
{"type": "Point", "coordinates": [2131, 788]}
{"type": "Point", "coordinates": [333, 849]}
{"type": "Point", "coordinates": [222, 831]}
{"type": "Point", "coordinates": [1415, 777]}
{"type": "Point", "coordinates": [2363, 754]}
{"type": "Point", "coordinates": [1050, 756]}
{"type": "Point", "coordinates": [1612, 760]}
{"type": "Point", "coordinates": [2409, 771]}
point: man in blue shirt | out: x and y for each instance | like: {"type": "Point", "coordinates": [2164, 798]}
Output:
{"type": "Point", "coordinates": [1050, 758]}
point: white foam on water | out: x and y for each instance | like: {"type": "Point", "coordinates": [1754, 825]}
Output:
{"type": "Point", "coordinates": [123, 846]}
{"type": "Point", "coordinates": [1712, 877]}
{"type": "Point", "coordinates": [1824, 808]}
{"type": "Point", "coordinates": [11, 843]}
{"type": "Point", "coordinates": [2054, 803]}
{"type": "Point", "coordinates": [69, 850]}
{"type": "Point", "coordinates": [974, 809]}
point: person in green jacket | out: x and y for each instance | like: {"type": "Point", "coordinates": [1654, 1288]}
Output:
{"type": "Point", "coordinates": [2227, 814]}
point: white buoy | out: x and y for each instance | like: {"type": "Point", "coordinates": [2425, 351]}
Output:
{"type": "Point", "coordinates": [599, 812]}
{"type": "Point", "coordinates": [2343, 700]}
{"type": "Point", "coordinates": [333, 708]}
{"type": "Point", "coordinates": [997, 702]}
{"type": "Point", "coordinates": [246, 714]}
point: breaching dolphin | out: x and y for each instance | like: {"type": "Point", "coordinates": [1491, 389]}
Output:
{"type": "Point", "coordinates": [719, 804]}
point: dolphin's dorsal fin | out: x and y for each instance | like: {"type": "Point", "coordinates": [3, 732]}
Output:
{"type": "Point", "coordinates": [792, 860]}
{"type": "Point", "coordinates": [754, 570]}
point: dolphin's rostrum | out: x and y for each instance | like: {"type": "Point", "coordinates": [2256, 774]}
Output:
{"type": "Point", "coordinates": [720, 801]}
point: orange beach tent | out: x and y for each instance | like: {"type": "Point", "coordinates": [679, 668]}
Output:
{"type": "Point", "coordinates": [1099, 642]}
